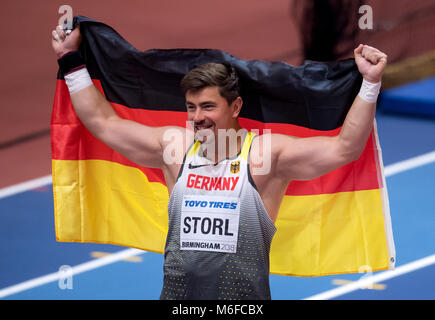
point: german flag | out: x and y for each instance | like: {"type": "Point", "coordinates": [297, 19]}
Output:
{"type": "Point", "coordinates": [337, 223]}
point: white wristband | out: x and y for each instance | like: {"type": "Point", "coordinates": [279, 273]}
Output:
{"type": "Point", "coordinates": [369, 91]}
{"type": "Point", "coordinates": [78, 80]}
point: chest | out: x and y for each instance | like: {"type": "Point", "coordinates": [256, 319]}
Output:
{"type": "Point", "coordinates": [208, 204]}
{"type": "Point", "coordinates": [225, 178]}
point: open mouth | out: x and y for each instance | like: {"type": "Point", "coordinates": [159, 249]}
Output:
{"type": "Point", "coordinates": [202, 127]}
{"type": "Point", "coordinates": [204, 133]}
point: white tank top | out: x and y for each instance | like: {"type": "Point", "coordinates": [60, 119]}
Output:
{"type": "Point", "coordinates": [219, 231]}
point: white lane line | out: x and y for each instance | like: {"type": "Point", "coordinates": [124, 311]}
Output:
{"type": "Point", "coordinates": [32, 184]}
{"type": "Point", "coordinates": [409, 164]}
{"type": "Point", "coordinates": [365, 282]}
{"type": "Point", "coordinates": [26, 285]}
{"type": "Point", "coordinates": [26, 186]}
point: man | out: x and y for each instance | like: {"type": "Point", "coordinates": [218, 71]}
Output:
{"type": "Point", "coordinates": [221, 208]}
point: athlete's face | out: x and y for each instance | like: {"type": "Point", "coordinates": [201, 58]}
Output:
{"type": "Point", "coordinates": [208, 111]}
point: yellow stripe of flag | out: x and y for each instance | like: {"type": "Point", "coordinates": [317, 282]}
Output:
{"type": "Point", "coordinates": [102, 201]}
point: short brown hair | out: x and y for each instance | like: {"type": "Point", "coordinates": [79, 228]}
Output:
{"type": "Point", "coordinates": [213, 75]}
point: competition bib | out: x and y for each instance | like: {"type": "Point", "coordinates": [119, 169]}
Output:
{"type": "Point", "coordinates": [209, 223]}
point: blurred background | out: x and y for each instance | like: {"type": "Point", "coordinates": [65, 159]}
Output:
{"type": "Point", "coordinates": [276, 30]}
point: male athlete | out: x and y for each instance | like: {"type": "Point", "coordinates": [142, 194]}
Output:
{"type": "Point", "coordinates": [221, 208]}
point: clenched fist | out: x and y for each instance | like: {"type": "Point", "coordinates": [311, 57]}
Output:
{"type": "Point", "coordinates": [371, 62]}
{"type": "Point", "coordinates": [63, 43]}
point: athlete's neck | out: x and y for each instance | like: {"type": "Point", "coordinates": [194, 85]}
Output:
{"type": "Point", "coordinates": [227, 144]}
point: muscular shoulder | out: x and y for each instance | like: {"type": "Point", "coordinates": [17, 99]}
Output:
{"type": "Point", "coordinates": [263, 162]}
{"type": "Point", "coordinates": [175, 141]}
{"type": "Point", "coordinates": [265, 152]}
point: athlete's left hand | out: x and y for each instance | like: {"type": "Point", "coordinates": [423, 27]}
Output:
{"type": "Point", "coordinates": [371, 62]}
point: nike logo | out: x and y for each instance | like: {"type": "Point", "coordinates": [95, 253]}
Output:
{"type": "Point", "coordinates": [191, 166]}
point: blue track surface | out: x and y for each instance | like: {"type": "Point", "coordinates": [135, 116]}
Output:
{"type": "Point", "coordinates": [417, 285]}
{"type": "Point", "coordinates": [28, 248]}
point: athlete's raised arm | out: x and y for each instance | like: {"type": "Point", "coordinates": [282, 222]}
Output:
{"type": "Point", "coordinates": [308, 158]}
{"type": "Point", "coordinates": [142, 144]}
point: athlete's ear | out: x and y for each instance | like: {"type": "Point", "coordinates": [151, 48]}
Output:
{"type": "Point", "coordinates": [236, 107]}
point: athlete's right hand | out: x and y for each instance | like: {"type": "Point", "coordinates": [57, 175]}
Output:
{"type": "Point", "coordinates": [63, 43]}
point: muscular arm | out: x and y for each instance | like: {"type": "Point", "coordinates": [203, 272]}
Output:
{"type": "Point", "coordinates": [308, 158]}
{"type": "Point", "coordinates": [294, 158]}
{"type": "Point", "coordinates": [140, 143]}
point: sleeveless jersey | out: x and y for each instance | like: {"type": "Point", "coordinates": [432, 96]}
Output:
{"type": "Point", "coordinates": [219, 234]}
